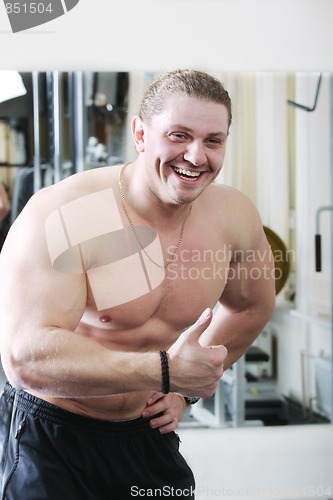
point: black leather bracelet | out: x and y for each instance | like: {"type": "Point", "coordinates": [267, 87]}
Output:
{"type": "Point", "coordinates": [165, 372]}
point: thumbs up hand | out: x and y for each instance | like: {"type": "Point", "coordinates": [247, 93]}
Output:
{"type": "Point", "coordinates": [195, 370]}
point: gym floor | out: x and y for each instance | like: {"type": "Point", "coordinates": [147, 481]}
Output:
{"type": "Point", "coordinates": [266, 463]}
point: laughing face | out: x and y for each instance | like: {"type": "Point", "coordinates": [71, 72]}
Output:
{"type": "Point", "coordinates": [182, 147]}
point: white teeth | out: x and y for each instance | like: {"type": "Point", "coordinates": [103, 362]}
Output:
{"type": "Point", "coordinates": [189, 173]}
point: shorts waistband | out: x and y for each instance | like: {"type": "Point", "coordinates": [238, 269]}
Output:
{"type": "Point", "coordinates": [9, 391]}
{"type": "Point", "coordinates": [54, 414]}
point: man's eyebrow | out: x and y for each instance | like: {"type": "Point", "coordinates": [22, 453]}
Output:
{"type": "Point", "coordinates": [212, 134]}
{"type": "Point", "coordinates": [179, 126]}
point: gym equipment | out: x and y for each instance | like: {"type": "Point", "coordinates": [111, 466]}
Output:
{"type": "Point", "coordinates": [240, 400]}
{"type": "Point", "coordinates": [246, 403]}
{"type": "Point", "coordinates": [23, 190]}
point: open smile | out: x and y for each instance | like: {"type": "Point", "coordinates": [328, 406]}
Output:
{"type": "Point", "coordinates": [187, 174]}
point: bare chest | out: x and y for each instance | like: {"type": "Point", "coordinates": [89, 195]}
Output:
{"type": "Point", "coordinates": [143, 304]}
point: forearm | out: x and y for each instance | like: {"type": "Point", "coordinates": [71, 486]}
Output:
{"type": "Point", "coordinates": [235, 330]}
{"type": "Point", "coordinates": [59, 363]}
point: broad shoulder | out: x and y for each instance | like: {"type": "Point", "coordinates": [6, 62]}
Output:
{"type": "Point", "coordinates": [75, 187]}
{"type": "Point", "coordinates": [71, 196]}
{"type": "Point", "coordinates": [223, 197]}
{"type": "Point", "coordinates": [235, 214]}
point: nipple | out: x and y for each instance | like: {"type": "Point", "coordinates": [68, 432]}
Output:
{"type": "Point", "coordinates": [105, 318]}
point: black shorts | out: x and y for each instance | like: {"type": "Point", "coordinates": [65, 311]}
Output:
{"type": "Point", "coordinates": [54, 454]}
{"type": "Point", "coordinates": [6, 408]}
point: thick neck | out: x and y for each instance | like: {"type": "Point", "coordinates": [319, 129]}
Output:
{"type": "Point", "coordinates": [141, 201]}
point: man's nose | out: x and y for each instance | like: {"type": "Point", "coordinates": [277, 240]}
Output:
{"type": "Point", "coordinates": [195, 154]}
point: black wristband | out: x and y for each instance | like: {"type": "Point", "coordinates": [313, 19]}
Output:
{"type": "Point", "coordinates": [165, 372]}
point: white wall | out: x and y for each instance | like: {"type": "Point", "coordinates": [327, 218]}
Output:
{"type": "Point", "coordinates": [156, 34]}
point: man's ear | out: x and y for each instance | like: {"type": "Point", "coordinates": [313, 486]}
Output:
{"type": "Point", "coordinates": [138, 133]}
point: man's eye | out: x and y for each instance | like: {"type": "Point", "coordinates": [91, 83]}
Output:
{"type": "Point", "coordinates": [178, 136]}
{"type": "Point", "coordinates": [213, 142]}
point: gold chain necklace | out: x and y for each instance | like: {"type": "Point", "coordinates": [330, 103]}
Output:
{"type": "Point", "coordinates": [122, 196]}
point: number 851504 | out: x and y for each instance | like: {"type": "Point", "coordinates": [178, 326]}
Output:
{"type": "Point", "coordinates": [28, 8]}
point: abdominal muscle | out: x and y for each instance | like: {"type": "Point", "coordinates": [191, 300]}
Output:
{"type": "Point", "coordinates": [112, 408]}
{"type": "Point", "coordinates": [117, 407]}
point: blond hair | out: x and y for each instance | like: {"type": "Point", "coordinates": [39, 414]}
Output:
{"type": "Point", "coordinates": [187, 82]}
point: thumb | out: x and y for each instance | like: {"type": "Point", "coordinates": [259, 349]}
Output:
{"type": "Point", "coordinates": [222, 349]}
{"type": "Point", "coordinates": [196, 330]}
